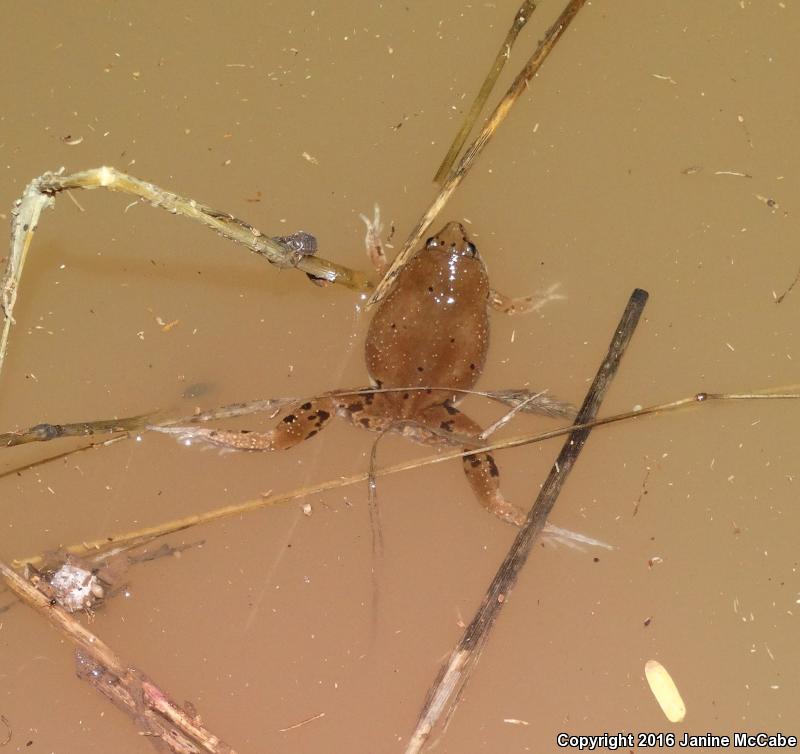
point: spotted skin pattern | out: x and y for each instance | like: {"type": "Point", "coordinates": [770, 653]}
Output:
{"type": "Point", "coordinates": [429, 335]}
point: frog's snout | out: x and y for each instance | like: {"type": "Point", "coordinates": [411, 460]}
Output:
{"type": "Point", "coordinates": [453, 237]}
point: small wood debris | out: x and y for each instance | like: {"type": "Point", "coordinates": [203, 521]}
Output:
{"type": "Point", "coordinates": [662, 77]}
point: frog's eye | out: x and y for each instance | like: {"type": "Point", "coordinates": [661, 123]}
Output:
{"type": "Point", "coordinates": [469, 249]}
{"type": "Point", "coordinates": [432, 243]}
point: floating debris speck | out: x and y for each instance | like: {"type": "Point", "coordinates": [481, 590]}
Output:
{"type": "Point", "coordinates": [665, 691]}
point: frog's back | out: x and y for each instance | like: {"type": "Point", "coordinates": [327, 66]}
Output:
{"type": "Point", "coordinates": [432, 328]}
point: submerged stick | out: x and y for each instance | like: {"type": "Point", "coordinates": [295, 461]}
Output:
{"type": "Point", "coordinates": [521, 17]}
{"type": "Point", "coordinates": [128, 688]}
{"type": "Point", "coordinates": [443, 696]}
{"type": "Point", "coordinates": [517, 88]}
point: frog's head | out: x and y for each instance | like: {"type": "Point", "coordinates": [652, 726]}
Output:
{"type": "Point", "coordinates": [452, 238]}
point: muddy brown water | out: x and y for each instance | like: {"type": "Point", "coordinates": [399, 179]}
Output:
{"type": "Point", "coordinates": [643, 156]}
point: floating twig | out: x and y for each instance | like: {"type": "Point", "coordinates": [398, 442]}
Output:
{"type": "Point", "coordinates": [128, 688]}
{"type": "Point", "coordinates": [47, 432]}
{"type": "Point", "coordinates": [296, 251]}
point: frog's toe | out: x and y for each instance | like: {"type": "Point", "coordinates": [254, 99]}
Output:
{"type": "Point", "coordinates": [507, 512]}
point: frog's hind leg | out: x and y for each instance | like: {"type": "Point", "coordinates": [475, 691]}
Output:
{"type": "Point", "coordinates": [480, 469]}
{"type": "Point", "coordinates": [301, 422]}
{"type": "Point", "coordinates": [446, 421]}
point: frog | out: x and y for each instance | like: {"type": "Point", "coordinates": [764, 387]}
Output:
{"type": "Point", "coordinates": [426, 347]}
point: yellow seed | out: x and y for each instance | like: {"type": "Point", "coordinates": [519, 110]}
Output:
{"type": "Point", "coordinates": [665, 691]}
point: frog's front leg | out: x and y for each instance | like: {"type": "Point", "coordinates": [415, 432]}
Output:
{"type": "Point", "coordinates": [524, 304]}
{"type": "Point", "coordinates": [480, 468]}
{"type": "Point", "coordinates": [301, 422]}
{"type": "Point", "coordinates": [374, 242]}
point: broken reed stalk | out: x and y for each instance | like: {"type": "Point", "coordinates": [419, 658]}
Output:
{"type": "Point", "coordinates": [524, 12]}
{"type": "Point", "coordinates": [139, 536]}
{"type": "Point", "coordinates": [151, 709]}
{"type": "Point", "coordinates": [515, 91]}
{"type": "Point", "coordinates": [40, 193]}
{"type": "Point", "coordinates": [444, 695]}
{"type": "Point", "coordinates": [47, 432]}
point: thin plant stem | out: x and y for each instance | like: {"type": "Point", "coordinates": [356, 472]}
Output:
{"type": "Point", "coordinates": [515, 91]}
{"type": "Point", "coordinates": [135, 537]}
{"type": "Point", "coordinates": [41, 192]}
{"type": "Point", "coordinates": [524, 12]}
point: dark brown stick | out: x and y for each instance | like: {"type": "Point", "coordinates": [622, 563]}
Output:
{"type": "Point", "coordinates": [444, 694]}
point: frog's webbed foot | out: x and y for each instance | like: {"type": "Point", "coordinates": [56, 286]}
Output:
{"type": "Point", "coordinates": [373, 241]}
{"type": "Point", "coordinates": [542, 403]}
{"type": "Point", "coordinates": [301, 422]}
{"type": "Point", "coordinates": [524, 304]}
{"type": "Point", "coordinates": [574, 539]}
